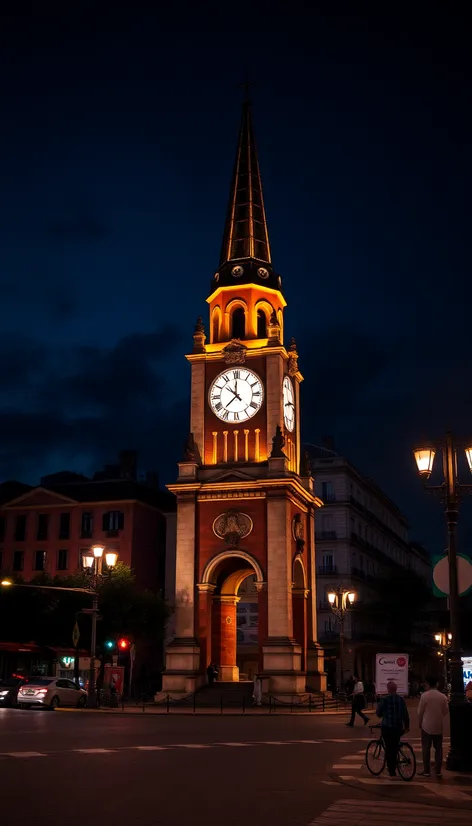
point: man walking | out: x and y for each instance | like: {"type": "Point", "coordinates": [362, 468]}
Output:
{"type": "Point", "coordinates": [358, 702]}
{"type": "Point", "coordinates": [432, 712]}
{"type": "Point", "coordinates": [395, 720]}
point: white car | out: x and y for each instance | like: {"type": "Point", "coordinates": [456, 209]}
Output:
{"type": "Point", "coordinates": [50, 692]}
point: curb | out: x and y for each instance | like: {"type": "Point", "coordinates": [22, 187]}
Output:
{"type": "Point", "coordinates": [209, 713]}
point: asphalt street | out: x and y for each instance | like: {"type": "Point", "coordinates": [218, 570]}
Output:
{"type": "Point", "coordinates": [110, 770]}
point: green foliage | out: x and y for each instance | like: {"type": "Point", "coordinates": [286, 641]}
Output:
{"type": "Point", "coordinates": [48, 617]}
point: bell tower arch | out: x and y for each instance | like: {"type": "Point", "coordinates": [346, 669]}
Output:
{"type": "Point", "coordinates": [245, 558]}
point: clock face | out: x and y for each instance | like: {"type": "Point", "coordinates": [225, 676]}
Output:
{"type": "Point", "coordinates": [236, 395]}
{"type": "Point", "coordinates": [289, 404]}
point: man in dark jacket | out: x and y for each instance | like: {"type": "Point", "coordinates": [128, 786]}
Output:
{"type": "Point", "coordinates": [395, 721]}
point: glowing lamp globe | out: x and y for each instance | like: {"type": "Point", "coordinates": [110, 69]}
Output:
{"type": "Point", "coordinates": [424, 458]}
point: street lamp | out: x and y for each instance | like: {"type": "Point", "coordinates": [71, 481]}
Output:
{"type": "Point", "coordinates": [444, 640]}
{"type": "Point", "coordinates": [340, 600]}
{"type": "Point", "coordinates": [93, 567]}
{"type": "Point", "coordinates": [450, 493]}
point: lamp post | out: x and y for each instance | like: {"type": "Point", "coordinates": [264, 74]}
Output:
{"type": "Point", "coordinates": [340, 600]}
{"type": "Point", "coordinates": [444, 639]}
{"type": "Point", "coordinates": [93, 566]}
{"type": "Point", "coordinates": [450, 493]}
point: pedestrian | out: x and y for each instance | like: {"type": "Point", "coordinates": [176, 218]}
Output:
{"type": "Point", "coordinates": [395, 721]}
{"type": "Point", "coordinates": [211, 673]}
{"type": "Point", "coordinates": [433, 709]}
{"type": "Point", "coordinates": [358, 702]}
{"type": "Point", "coordinates": [257, 691]}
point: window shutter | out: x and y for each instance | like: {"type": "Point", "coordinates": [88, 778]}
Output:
{"type": "Point", "coordinates": [121, 521]}
{"type": "Point", "coordinates": [105, 521]}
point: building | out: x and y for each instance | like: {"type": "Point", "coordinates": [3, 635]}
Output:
{"type": "Point", "coordinates": [245, 576]}
{"type": "Point", "coordinates": [50, 527]}
{"type": "Point", "coordinates": [361, 539]}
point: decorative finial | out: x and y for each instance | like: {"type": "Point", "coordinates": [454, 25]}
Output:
{"type": "Point", "coordinates": [273, 318]}
{"type": "Point", "coordinates": [199, 336]}
{"type": "Point", "coordinates": [199, 328]}
{"type": "Point", "coordinates": [293, 346]}
{"type": "Point", "coordinates": [278, 444]}
{"type": "Point", "coordinates": [191, 451]}
{"type": "Point", "coordinates": [293, 358]}
{"type": "Point", "coordinates": [246, 86]}
{"type": "Point", "coordinates": [306, 468]}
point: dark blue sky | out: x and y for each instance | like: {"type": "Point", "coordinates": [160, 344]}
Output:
{"type": "Point", "coordinates": [116, 151]}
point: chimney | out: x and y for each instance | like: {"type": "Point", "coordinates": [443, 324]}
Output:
{"type": "Point", "coordinates": [328, 443]}
{"type": "Point", "coordinates": [128, 463]}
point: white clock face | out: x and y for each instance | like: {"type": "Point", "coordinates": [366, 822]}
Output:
{"type": "Point", "coordinates": [289, 404]}
{"type": "Point", "coordinates": [236, 395]}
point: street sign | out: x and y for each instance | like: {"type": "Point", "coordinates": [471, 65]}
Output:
{"type": "Point", "coordinates": [75, 635]}
{"type": "Point", "coordinates": [391, 667]}
{"type": "Point", "coordinates": [441, 575]}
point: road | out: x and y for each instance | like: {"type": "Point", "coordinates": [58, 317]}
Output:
{"type": "Point", "coordinates": [112, 769]}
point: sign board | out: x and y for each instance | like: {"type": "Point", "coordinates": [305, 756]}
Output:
{"type": "Point", "coordinates": [75, 635]}
{"type": "Point", "coordinates": [441, 575]}
{"type": "Point", "coordinates": [467, 669]}
{"type": "Point", "coordinates": [114, 676]}
{"type": "Point", "coordinates": [391, 667]}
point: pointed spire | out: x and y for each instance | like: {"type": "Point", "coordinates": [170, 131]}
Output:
{"type": "Point", "coordinates": [246, 234]}
{"type": "Point", "coordinates": [245, 251]}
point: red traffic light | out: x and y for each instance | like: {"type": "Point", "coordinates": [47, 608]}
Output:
{"type": "Point", "coordinates": [123, 644]}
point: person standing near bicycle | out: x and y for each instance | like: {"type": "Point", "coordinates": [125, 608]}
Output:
{"type": "Point", "coordinates": [433, 709]}
{"type": "Point", "coordinates": [395, 721]}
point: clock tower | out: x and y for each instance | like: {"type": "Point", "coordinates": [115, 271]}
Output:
{"type": "Point", "coordinates": [245, 576]}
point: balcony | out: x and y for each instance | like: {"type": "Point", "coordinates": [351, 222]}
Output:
{"type": "Point", "coordinates": [327, 570]}
{"type": "Point", "coordinates": [328, 498]}
{"type": "Point", "coordinates": [326, 535]}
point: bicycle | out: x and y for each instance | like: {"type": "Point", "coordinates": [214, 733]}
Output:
{"type": "Point", "coordinates": [375, 757]}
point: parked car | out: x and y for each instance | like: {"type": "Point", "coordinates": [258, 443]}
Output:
{"type": "Point", "coordinates": [9, 691]}
{"type": "Point", "coordinates": [50, 692]}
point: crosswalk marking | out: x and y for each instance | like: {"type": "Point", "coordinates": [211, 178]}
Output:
{"type": "Point", "coordinates": [234, 744]}
{"type": "Point", "coordinates": [23, 754]}
{"type": "Point", "coordinates": [94, 751]}
{"type": "Point", "coordinates": [384, 813]}
{"type": "Point", "coordinates": [193, 746]}
{"type": "Point", "coordinates": [151, 748]}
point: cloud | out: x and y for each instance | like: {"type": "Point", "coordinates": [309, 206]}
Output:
{"type": "Point", "coordinates": [90, 402]}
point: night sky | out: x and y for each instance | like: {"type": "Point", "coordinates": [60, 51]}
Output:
{"type": "Point", "coordinates": [117, 143]}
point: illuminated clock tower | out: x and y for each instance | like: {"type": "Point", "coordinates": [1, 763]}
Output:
{"type": "Point", "coordinates": [245, 500]}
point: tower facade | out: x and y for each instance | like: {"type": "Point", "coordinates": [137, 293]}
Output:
{"type": "Point", "coordinates": [245, 575]}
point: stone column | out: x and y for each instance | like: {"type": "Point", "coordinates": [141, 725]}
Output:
{"type": "Point", "coordinates": [183, 653]}
{"type": "Point", "coordinates": [282, 655]}
{"type": "Point", "coordinates": [205, 592]}
{"type": "Point", "coordinates": [197, 404]}
{"type": "Point", "coordinates": [274, 398]}
{"type": "Point", "coordinates": [316, 678]}
{"type": "Point", "coordinates": [224, 637]}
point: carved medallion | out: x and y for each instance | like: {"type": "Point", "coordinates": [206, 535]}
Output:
{"type": "Point", "coordinates": [234, 352]}
{"type": "Point", "coordinates": [232, 526]}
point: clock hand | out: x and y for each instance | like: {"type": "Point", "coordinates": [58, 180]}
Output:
{"type": "Point", "coordinates": [235, 394]}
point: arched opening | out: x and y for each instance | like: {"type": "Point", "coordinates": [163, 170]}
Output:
{"type": "Point", "coordinates": [261, 324]}
{"type": "Point", "coordinates": [238, 323]}
{"type": "Point", "coordinates": [232, 606]}
{"type": "Point", "coordinates": [215, 325]}
{"type": "Point", "coordinates": [299, 606]}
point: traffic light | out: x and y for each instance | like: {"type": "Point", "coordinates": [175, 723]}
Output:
{"type": "Point", "coordinates": [109, 645]}
{"type": "Point", "coordinates": [123, 644]}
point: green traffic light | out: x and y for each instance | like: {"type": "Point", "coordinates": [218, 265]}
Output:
{"type": "Point", "coordinates": [110, 644]}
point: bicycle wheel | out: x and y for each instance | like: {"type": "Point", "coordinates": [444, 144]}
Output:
{"type": "Point", "coordinates": [406, 762]}
{"type": "Point", "coordinates": [375, 757]}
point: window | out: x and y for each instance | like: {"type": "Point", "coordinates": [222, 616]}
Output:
{"type": "Point", "coordinates": [62, 560]}
{"type": "Point", "coordinates": [328, 562]}
{"type": "Point", "coordinates": [64, 526]}
{"type": "Point", "coordinates": [238, 323]}
{"type": "Point", "coordinates": [261, 324]}
{"type": "Point", "coordinates": [327, 527]}
{"type": "Point", "coordinates": [43, 525]}
{"type": "Point", "coordinates": [327, 493]}
{"type": "Point", "coordinates": [39, 560]}
{"type": "Point", "coordinates": [113, 521]}
{"type": "Point", "coordinates": [18, 561]}
{"type": "Point", "coordinates": [20, 528]}
{"type": "Point", "coordinates": [87, 525]}
{"type": "Point", "coordinates": [3, 527]}
{"type": "Point", "coordinates": [216, 326]}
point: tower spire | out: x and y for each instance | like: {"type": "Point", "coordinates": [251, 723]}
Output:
{"type": "Point", "coordinates": [245, 251]}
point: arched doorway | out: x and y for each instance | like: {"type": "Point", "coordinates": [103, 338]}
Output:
{"type": "Point", "coordinates": [299, 606]}
{"type": "Point", "coordinates": [232, 583]}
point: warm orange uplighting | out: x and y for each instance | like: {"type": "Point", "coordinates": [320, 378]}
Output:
{"type": "Point", "coordinates": [424, 458]}
{"type": "Point", "coordinates": [468, 455]}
